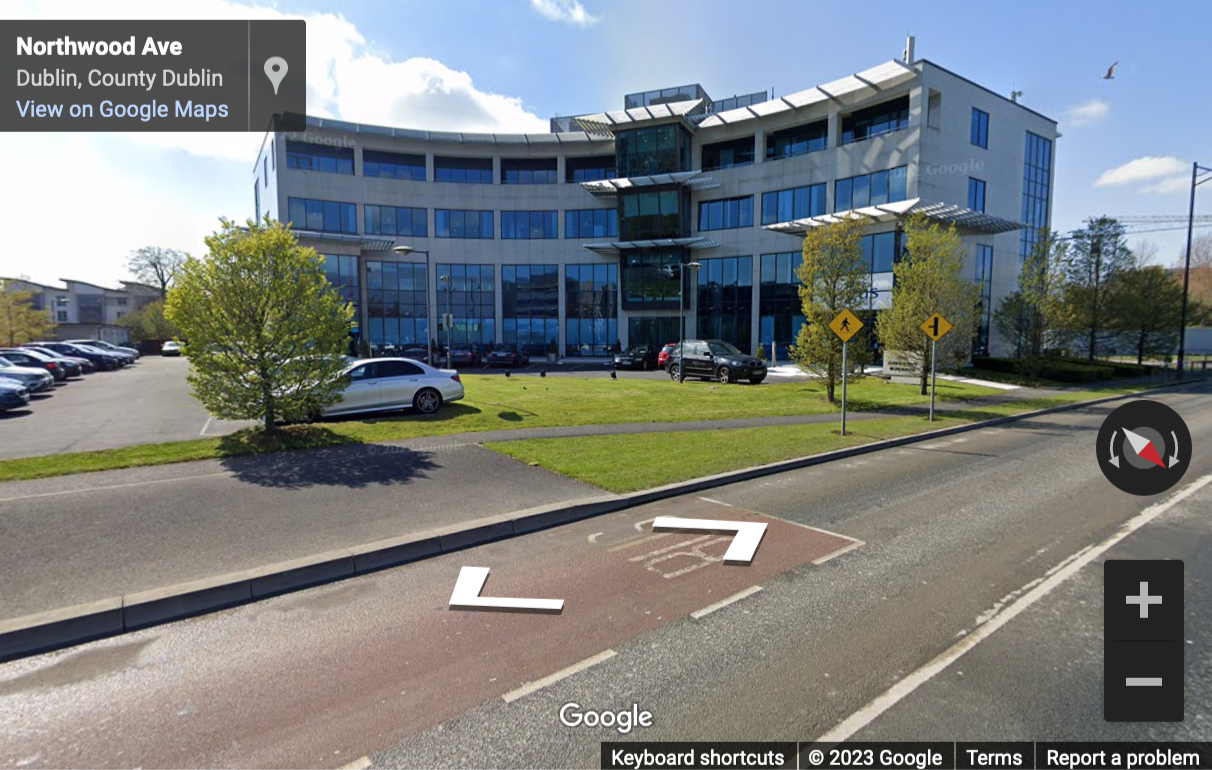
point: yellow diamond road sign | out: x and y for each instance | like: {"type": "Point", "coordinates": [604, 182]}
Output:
{"type": "Point", "coordinates": [846, 325]}
{"type": "Point", "coordinates": [936, 326]}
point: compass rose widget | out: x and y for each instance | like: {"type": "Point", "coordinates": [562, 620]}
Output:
{"type": "Point", "coordinates": [1144, 447]}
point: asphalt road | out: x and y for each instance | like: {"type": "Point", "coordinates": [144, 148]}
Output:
{"type": "Point", "coordinates": [953, 533]}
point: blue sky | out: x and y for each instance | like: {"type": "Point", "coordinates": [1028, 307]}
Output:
{"type": "Point", "coordinates": [511, 64]}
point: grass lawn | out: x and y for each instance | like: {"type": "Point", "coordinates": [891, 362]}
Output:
{"type": "Point", "coordinates": [499, 403]}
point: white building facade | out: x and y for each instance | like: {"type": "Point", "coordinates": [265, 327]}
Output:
{"type": "Point", "coordinates": [582, 236]}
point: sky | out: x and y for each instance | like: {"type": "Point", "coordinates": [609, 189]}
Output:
{"type": "Point", "coordinates": [78, 204]}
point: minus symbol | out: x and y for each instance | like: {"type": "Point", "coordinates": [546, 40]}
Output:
{"type": "Point", "coordinates": [1144, 681]}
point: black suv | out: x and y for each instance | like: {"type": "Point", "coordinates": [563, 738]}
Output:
{"type": "Point", "coordinates": [715, 360]}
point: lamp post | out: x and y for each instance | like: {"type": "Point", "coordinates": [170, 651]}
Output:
{"type": "Point", "coordinates": [446, 281]}
{"type": "Point", "coordinates": [404, 251]}
{"type": "Point", "coordinates": [682, 315]}
{"type": "Point", "coordinates": [1199, 175]}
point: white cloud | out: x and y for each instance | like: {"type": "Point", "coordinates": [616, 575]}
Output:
{"type": "Point", "coordinates": [1087, 112]}
{"type": "Point", "coordinates": [1167, 186]}
{"type": "Point", "coordinates": [568, 11]}
{"type": "Point", "coordinates": [1150, 167]}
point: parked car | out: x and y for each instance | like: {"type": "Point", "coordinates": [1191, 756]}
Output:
{"type": "Point", "coordinates": [105, 361]}
{"type": "Point", "coordinates": [415, 353]}
{"type": "Point", "coordinates": [385, 384]}
{"type": "Point", "coordinates": [715, 360]}
{"type": "Point", "coordinates": [13, 395]}
{"type": "Point", "coordinates": [170, 348]}
{"type": "Point", "coordinates": [663, 356]}
{"type": "Point", "coordinates": [85, 365]}
{"type": "Point", "coordinates": [642, 356]}
{"type": "Point", "coordinates": [58, 369]}
{"type": "Point", "coordinates": [468, 355]}
{"type": "Point", "coordinates": [37, 380]}
{"type": "Point", "coordinates": [130, 354]}
{"type": "Point", "coordinates": [508, 355]}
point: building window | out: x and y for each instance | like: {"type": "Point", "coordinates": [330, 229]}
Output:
{"type": "Point", "coordinates": [391, 220]}
{"type": "Point", "coordinates": [462, 170]}
{"type": "Point", "coordinates": [980, 128]}
{"type": "Point", "coordinates": [650, 279]}
{"type": "Point", "coordinates": [591, 307]}
{"type": "Point", "coordinates": [310, 156]}
{"type": "Point", "coordinates": [322, 216]}
{"type": "Point", "coordinates": [265, 171]}
{"type": "Point", "coordinates": [470, 299]}
{"type": "Point", "coordinates": [797, 140]}
{"type": "Point", "coordinates": [780, 310]}
{"type": "Point", "coordinates": [393, 165]}
{"type": "Point", "coordinates": [1037, 177]}
{"type": "Point", "coordinates": [654, 150]}
{"type": "Point", "coordinates": [528, 171]}
{"type": "Point", "coordinates": [726, 214]}
{"type": "Point", "coordinates": [871, 189]}
{"type": "Point", "coordinates": [881, 251]}
{"type": "Point", "coordinates": [730, 154]}
{"type": "Point", "coordinates": [976, 194]}
{"type": "Point", "coordinates": [456, 223]}
{"type": "Point", "coordinates": [874, 121]}
{"type": "Point", "coordinates": [397, 313]}
{"type": "Point", "coordinates": [530, 306]}
{"type": "Point", "coordinates": [342, 272]}
{"type": "Point", "coordinates": [725, 301]}
{"type": "Point", "coordinates": [591, 223]}
{"type": "Point", "coordinates": [529, 226]}
{"type": "Point", "coordinates": [591, 169]}
{"type": "Point", "coordinates": [257, 200]}
{"type": "Point", "coordinates": [657, 331]}
{"type": "Point", "coordinates": [655, 214]}
{"type": "Point", "coordinates": [796, 203]}
{"type": "Point", "coordinates": [121, 301]}
{"type": "Point", "coordinates": [984, 282]}
{"type": "Point", "coordinates": [61, 316]}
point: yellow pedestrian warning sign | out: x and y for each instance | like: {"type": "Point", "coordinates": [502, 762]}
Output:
{"type": "Point", "coordinates": [936, 327]}
{"type": "Point", "coordinates": [846, 325]}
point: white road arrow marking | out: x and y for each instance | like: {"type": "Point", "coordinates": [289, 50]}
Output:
{"type": "Point", "coordinates": [1174, 455]}
{"type": "Point", "coordinates": [467, 589]}
{"type": "Point", "coordinates": [1114, 457]}
{"type": "Point", "coordinates": [744, 545]}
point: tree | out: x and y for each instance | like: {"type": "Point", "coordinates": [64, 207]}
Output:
{"type": "Point", "coordinates": [156, 266]}
{"type": "Point", "coordinates": [149, 323]}
{"type": "Point", "coordinates": [265, 328]}
{"type": "Point", "coordinates": [1029, 317]}
{"type": "Point", "coordinates": [833, 276]}
{"type": "Point", "coordinates": [930, 279]}
{"type": "Point", "coordinates": [1147, 309]}
{"type": "Point", "coordinates": [20, 322]}
{"type": "Point", "coordinates": [1096, 255]}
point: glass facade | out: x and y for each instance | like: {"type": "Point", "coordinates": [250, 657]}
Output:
{"type": "Point", "coordinates": [727, 214]}
{"type": "Point", "coordinates": [796, 203]}
{"type": "Point", "coordinates": [976, 194]}
{"type": "Point", "coordinates": [470, 299]}
{"type": "Point", "coordinates": [591, 223]}
{"type": "Point", "coordinates": [528, 171]}
{"type": "Point", "coordinates": [530, 306]}
{"type": "Point", "coordinates": [797, 140]}
{"type": "Point", "coordinates": [980, 128]}
{"type": "Point", "coordinates": [874, 121]}
{"type": "Point", "coordinates": [871, 189]}
{"type": "Point", "coordinates": [653, 150]}
{"type": "Point", "coordinates": [591, 169]}
{"type": "Point", "coordinates": [462, 170]}
{"type": "Point", "coordinates": [736, 152]}
{"type": "Point", "coordinates": [725, 300]}
{"type": "Point", "coordinates": [1037, 176]}
{"type": "Point", "coordinates": [880, 250]}
{"type": "Point", "coordinates": [390, 220]}
{"type": "Point", "coordinates": [342, 272]}
{"type": "Point", "coordinates": [591, 309]}
{"type": "Point", "coordinates": [650, 279]}
{"type": "Point", "coordinates": [457, 223]}
{"type": "Point", "coordinates": [324, 216]}
{"type": "Point", "coordinates": [393, 165]}
{"type": "Point", "coordinates": [529, 225]}
{"type": "Point", "coordinates": [319, 157]}
{"type": "Point", "coordinates": [397, 313]}
{"type": "Point", "coordinates": [654, 330]}
{"type": "Point", "coordinates": [780, 311]}
{"type": "Point", "coordinates": [651, 215]}
{"type": "Point", "coordinates": [984, 281]}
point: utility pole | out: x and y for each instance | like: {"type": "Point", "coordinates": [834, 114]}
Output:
{"type": "Point", "coordinates": [1196, 180]}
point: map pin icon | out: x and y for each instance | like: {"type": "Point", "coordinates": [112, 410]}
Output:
{"type": "Point", "coordinates": [275, 70]}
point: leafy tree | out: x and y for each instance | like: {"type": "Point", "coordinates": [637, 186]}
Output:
{"type": "Point", "coordinates": [1147, 308]}
{"type": "Point", "coordinates": [19, 321]}
{"type": "Point", "coordinates": [1096, 255]}
{"type": "Point", "coordinates": [833, 276]}
{"type": "Point", "coordinates": [149, 323]}
{"type": "Point", "coordinates": [1029, 317]}
{"type": "Point", "coordinates": [930, 279]}
{"type": "Point", "coordinates": [156, 266]}
{"type": "Point", "coordinates": [266, 329]}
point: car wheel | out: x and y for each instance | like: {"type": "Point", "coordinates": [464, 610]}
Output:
{"type": "Point", "coordinates": [725, 375]}
{"type": "Point", "coordinates": [756, 380]}
{"type": "Point", "coordinates": [673, 371]}
{"type": "Point", "coordinates": [427, 401]}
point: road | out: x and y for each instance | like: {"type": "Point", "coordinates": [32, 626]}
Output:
{"type": "Point", "coordinates": [871, 568]}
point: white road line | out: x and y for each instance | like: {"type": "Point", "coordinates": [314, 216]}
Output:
{"type": "Point", "coordinates": [893, 695]}
{"type": "Point", "coordinates": [205, 425]}
{"type": "Point", "coordinates": [539, 684]}
{"type": "Point", "coordinates": [114, 486]}
{"type": "Point", "coordinates": [357, 764]}
{"type": "Point", "coordinates": [717, 502]}
{"type": "Point", "coordinates": [710, 608]}
{"type": "Point", "coordinates": [839, 552]}
{"type": "Point", "coordinates": [594, 537]}
{"type": "Point", "coordinates": [822, 531]}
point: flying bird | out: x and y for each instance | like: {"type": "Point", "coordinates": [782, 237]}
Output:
{"type": "Point", "coordinates": [1111, 72]}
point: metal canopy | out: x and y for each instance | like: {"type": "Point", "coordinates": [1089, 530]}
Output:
{"type": "Point", "coordinates": [963, 218]}
{"type": "Point", "coordinates": [695, 243]}
{"type": "Point", "coordinates": [364, 242]}
{"type": "Point", "coordinates": [609, 188]}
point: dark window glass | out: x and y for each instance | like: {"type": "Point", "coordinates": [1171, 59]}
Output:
{"type": "Point", "coordinates": [976, 194]}
{"type": "Point", "coordinates": [1037, 164]}
{"type": "Point", "coordinates": [457, 223]}
{"type": "Point", "coordinates": [342, 272]}
{"type": "Point", "coordinates": [589, 169]}
{"type": "Point", "coordinates": [470, 299]}
{"type": "Point", "coordinates": [727, 214]}
{"type": "Point", "coordinates": [796, 203]}
{"type": "Point", "coordinates": [873, 189]}
{"type": "Point", "coordinates": [725, 300]}
{"type": "Point", "coordinates": [651, 279]}
{"type": "Point", "coordinates": [652, 214]}
{"type": "Point", "coordinates": [591, 223]}
{"type": "Point", "coordinates": [462, 170]}
{"type": "Point", "coordinates": [797, 140]}
{"type": "Point", "coordinates": [319, 157]}
{"type": "Point", "coordinates": [873, 121]}
{"type": "Point", "coordinates": [984, 282]}
{"type": "Point", "coordinates": [528, 225]}
{"type": "Point", "coordinates": [735, 152]}
{"type": "Point", "coordinates": [398, 369]}
{"type": "Point", "coordinates": [323, 216]}
{"type": "Point", "coordinates": [980, 128]}
{"type": "Point", "coordinates": [528, 171]}
{"type": "Point", "coordinates": [390, 220]}
{"type": "Point", "coordinates": [393, 165]}
{"type": "Point", "coordinates": [652, 150]}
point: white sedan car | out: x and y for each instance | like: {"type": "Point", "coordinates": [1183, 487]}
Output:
{"type": "Point", "coordinates": [384, 384]}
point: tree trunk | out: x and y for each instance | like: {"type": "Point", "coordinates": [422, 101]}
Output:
{"type": "Point", "coordinates": [830, 386]}
{"type": "Point", "coordinates": [926, 362]}
{"type": "Point", "coordinates": [267, 400]}
{"type": "Point", "coordinates": [1140, 350]}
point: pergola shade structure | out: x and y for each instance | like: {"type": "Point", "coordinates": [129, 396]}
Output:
{"type": "Point", "coordinates": [965, 219]}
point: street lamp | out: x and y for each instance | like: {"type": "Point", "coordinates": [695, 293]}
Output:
{"type": "Point", "coordinates": [404, 251]}
{"type": "Point", "coordinates": [446, 280]}
{"type": "Point", "coordinates": [1199, 175]}
{"type": "Point", "coordinates": [682, 315]}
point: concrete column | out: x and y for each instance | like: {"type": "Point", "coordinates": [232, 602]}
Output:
{"type": "Point", "coordinates": [561, 305]}
{"type": "Point", "coordinates": [759, 146]}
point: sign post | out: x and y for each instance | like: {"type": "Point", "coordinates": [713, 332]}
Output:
{"type": "Point", "coordinates": [935, 328]}
{"type": "Point", "coordinates": [845, 326]}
